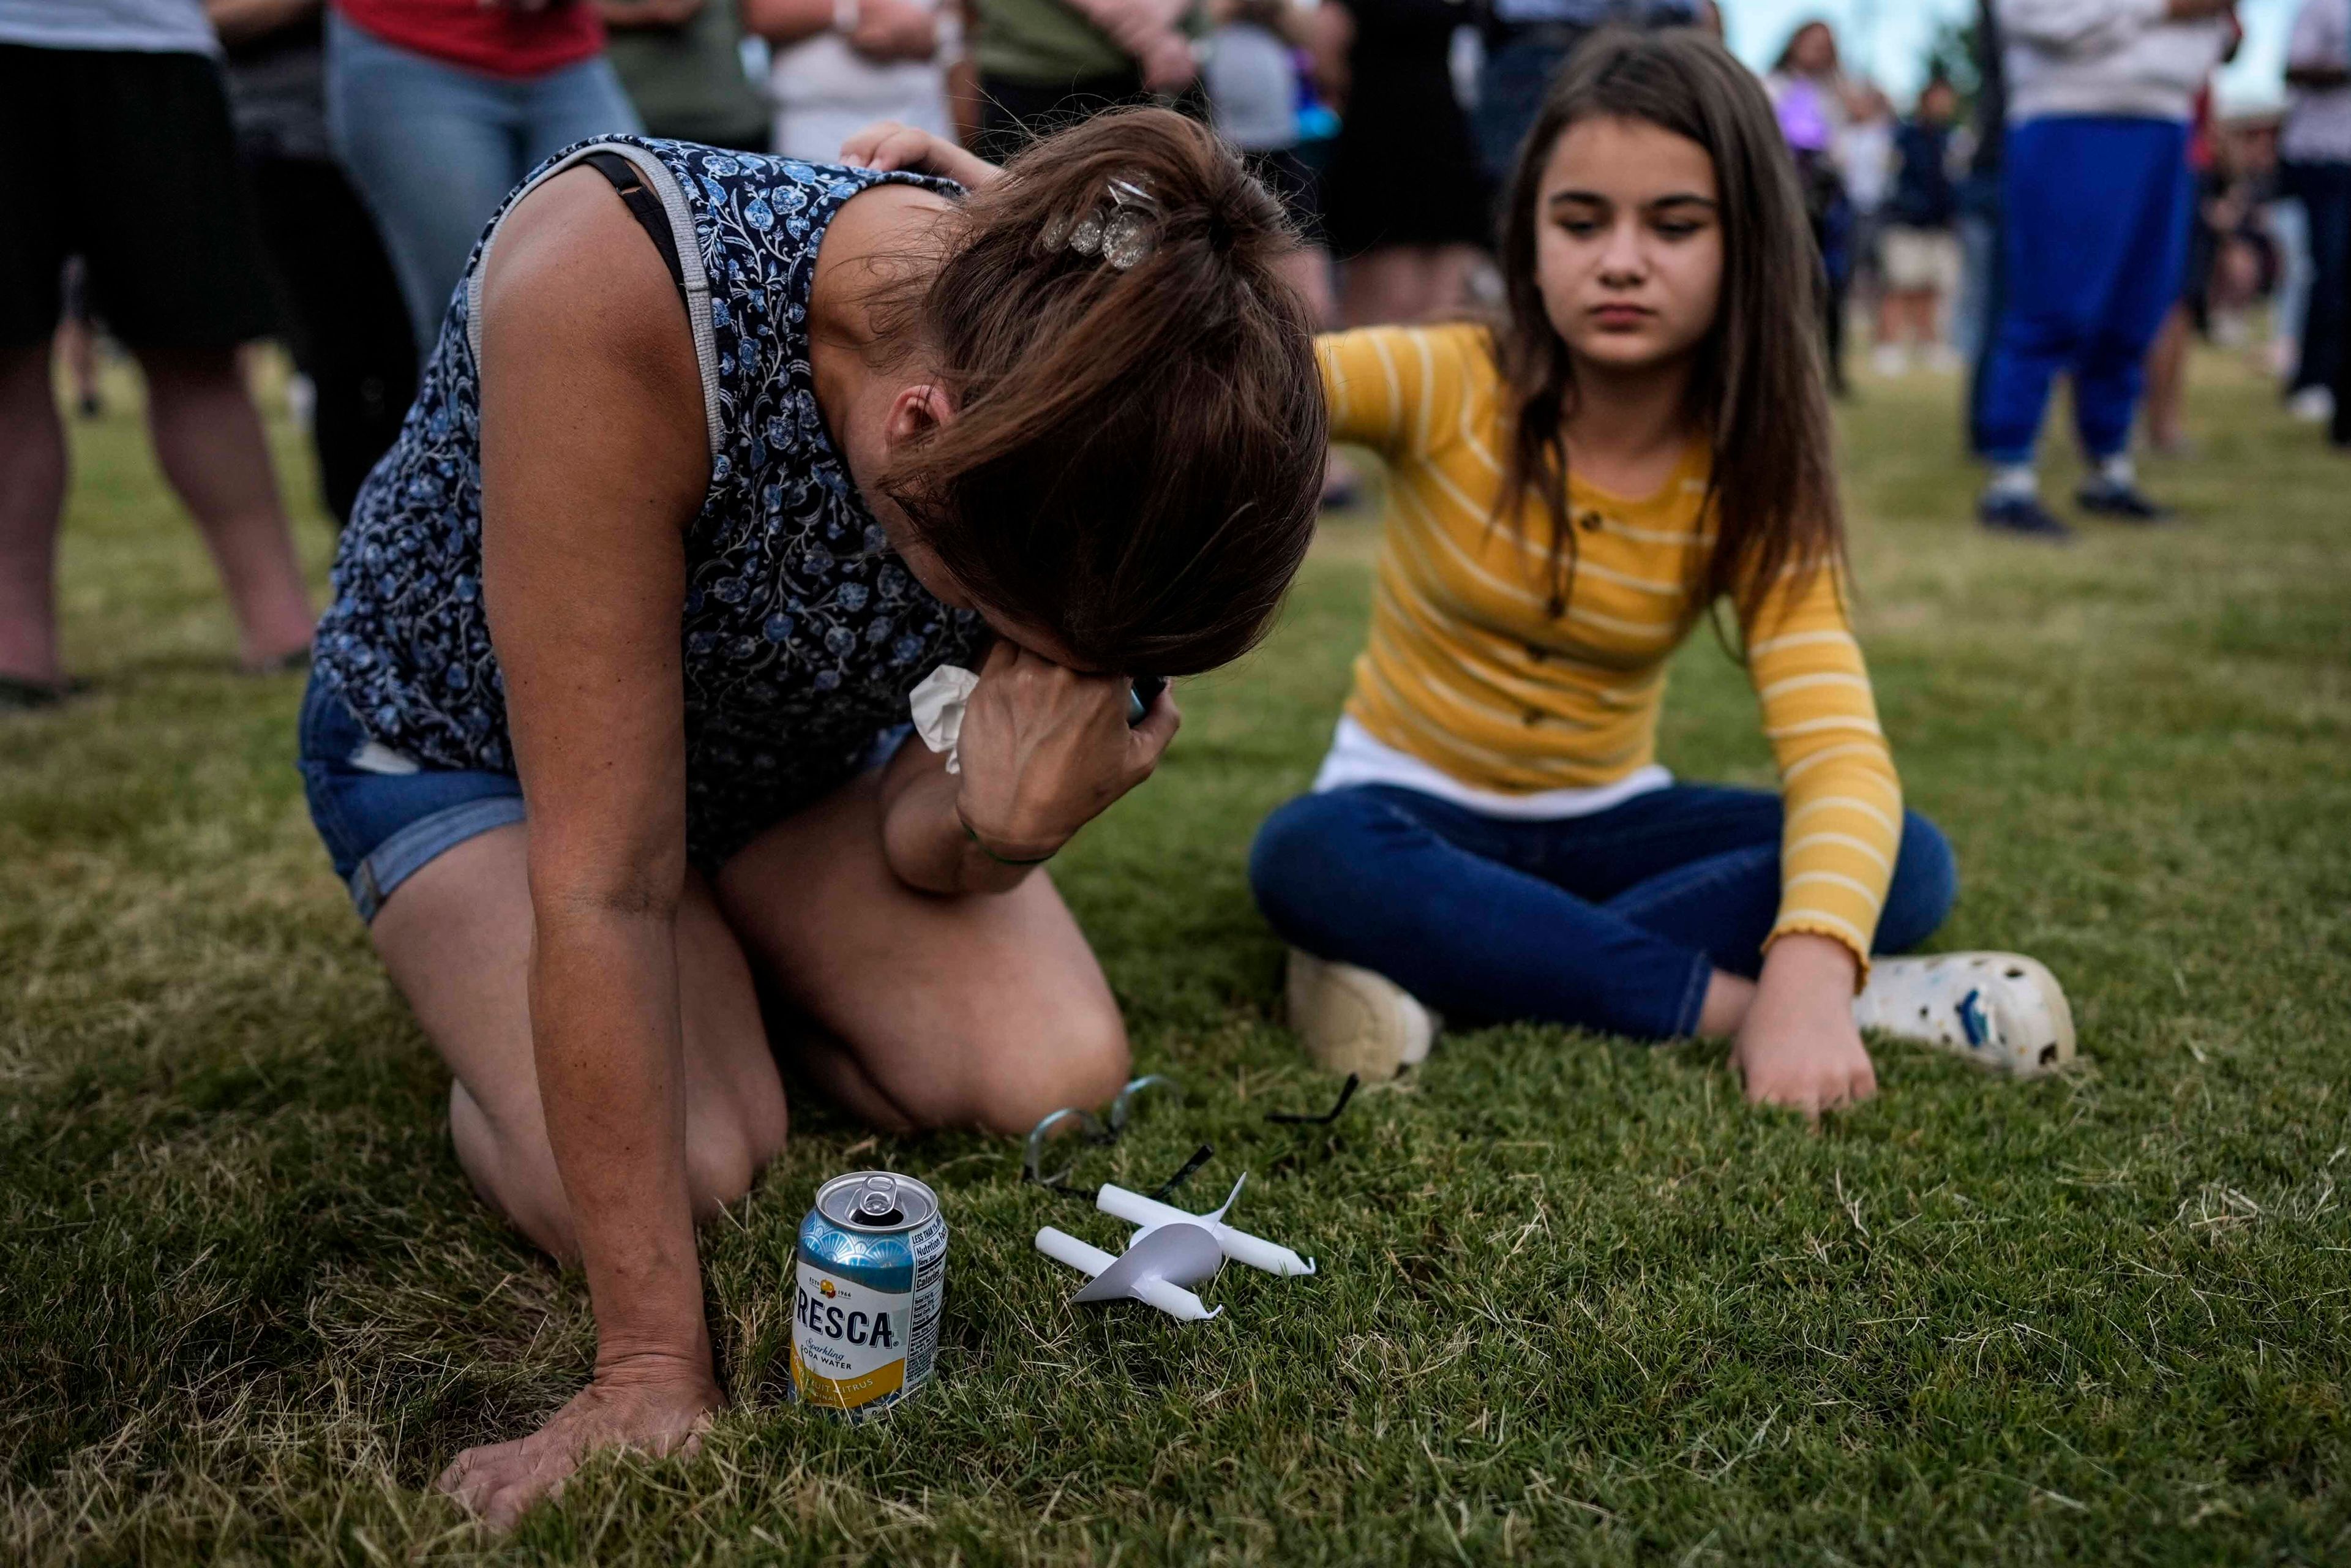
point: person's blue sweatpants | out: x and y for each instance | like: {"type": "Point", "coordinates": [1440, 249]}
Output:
{"type": "Point", "coordinates": [2096, 213]}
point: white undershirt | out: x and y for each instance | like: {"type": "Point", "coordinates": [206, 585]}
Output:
{"type": "Point", "coordinates": [1355, 758]}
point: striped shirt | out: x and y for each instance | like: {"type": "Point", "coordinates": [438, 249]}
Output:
{"type": "Point", "coordinates": [1468, 671]}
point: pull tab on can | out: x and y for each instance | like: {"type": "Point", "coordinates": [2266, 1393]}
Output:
{"type": "Point", "coordinates": [877, 1203]}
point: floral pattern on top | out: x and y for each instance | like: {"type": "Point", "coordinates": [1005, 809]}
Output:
{"type": "Point", "coordinates": [803, 632]}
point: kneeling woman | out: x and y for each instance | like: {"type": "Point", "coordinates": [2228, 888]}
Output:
{"type": "Point", "coordinates": [1571, 493]}
{"type": "Point", "coordinates": [717, 457]}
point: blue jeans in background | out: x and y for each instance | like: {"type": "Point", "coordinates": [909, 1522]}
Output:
{"type": "Point", "coordinates": [1614, 922]}
{"type": "Point", "coordinates": [1978, 304]}
{"type": "Point", "coordinates": [2325, 190]}
{"type": "Point", "coordinates": [2094, 214]}
{"type": "Point", "coordinates": [434, 148]}
{"type": "Point", "coordinates": [2288, 221]}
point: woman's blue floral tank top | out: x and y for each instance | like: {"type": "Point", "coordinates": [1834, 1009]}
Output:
{"type": "Point", "coordinates": [803, 632]}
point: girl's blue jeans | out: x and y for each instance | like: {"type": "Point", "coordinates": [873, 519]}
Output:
{"type": "Point", "coordinates": [1613, 922]}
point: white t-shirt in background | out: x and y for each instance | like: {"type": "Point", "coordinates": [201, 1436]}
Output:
{"type": "Point", "coordinates": [1253, 84]}
{"type": "Point", "coordinates": [2318, 125]}
{"type": "Point", "coordinates": [2105, 58]}
{"type": "Point", "coordinates": [137, 27]}
{"type": "Point", "coordinates": [826, 91]}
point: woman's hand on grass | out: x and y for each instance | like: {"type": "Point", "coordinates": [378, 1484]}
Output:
{"type": "Point", "coordinates": [888, 145]}
{"type": "Point", "coordinates": [1798, 1045]}
{"type": "Point", "coordinates": [1045, 750]}
{"type": "Point", "coordinates": [656, 1403]}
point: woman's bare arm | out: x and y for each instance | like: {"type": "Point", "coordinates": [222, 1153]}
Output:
{"type": "Point", "coordinates": [594, 459]}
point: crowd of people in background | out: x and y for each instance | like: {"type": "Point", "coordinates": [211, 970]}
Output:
{"type": "Point", "coordinates": [2064, 203]}
{"type": "Point", "coordinates": [676, 472]}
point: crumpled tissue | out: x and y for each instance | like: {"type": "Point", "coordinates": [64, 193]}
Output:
{"type": "Point", "coordinates": [938, 706]}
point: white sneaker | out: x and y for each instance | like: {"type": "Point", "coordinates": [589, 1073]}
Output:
{"type": "Point", "coordinates": [1891, 359]}
{"type": "Point", "coordinates": [1353, 1020]}
{"type": "Point", "coordinates": [1944, 359]}
{"type": "Point", "coordinates": [2001, 1010]}
{"type": "Point", "coordinates": [2312, 405]}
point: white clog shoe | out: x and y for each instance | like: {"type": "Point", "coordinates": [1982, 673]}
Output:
{"type": "Point", "coordinates": [2001, 1010]}
{"type": "Point", "coordinates": [1353, 1020]}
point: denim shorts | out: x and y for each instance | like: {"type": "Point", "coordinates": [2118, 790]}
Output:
{"type": "Point", "coordinates": [384, 817]}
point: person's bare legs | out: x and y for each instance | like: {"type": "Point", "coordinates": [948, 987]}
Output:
{"type": "Point", "coordinates": [456, 938]}
{"type": "Point", "coordinates": [32, 499]}
{"type": "Point", "coordinates": [983, 1011]}
{"type": "Point", "coordinates": [1405, 284]}
{"type": "Point", "coordinates": [78, 347]}
{"type": "Point", "coordinates": [913, 1010]}
{"type": "Point", "coordinates": [1308, 270]}
{"type": "Point", "coordinates": [209, 441]}
{"type": "Point", "coordinates": [1451, 267]}
{"type": "Point", "coordinates": [2167, 381]}
{"type": "Point", "coordinates": [1388, 286]}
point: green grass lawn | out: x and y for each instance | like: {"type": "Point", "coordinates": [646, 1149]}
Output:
{"type": "Point", "coordinates": [1578, 1302]}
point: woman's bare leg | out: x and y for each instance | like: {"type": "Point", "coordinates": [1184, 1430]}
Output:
{"type": "Point", "coordinates": [31, 497]}
{"type": "Point", "coordinates": [209, 441]}
{"type": "Point", "coordinates": [456, 938]}
{"type": "Point", "coordinates": [928, 1012]}
{"type": "Point", "coordinates": [1451, 267]}
{"type": "Point", "coordinates": [1387, 286]}
{"type": "Point", "coordinates": [1308, 270]}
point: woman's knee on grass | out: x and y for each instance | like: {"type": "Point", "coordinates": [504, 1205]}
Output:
{"type": "Point", "coordinates": [513, 1170]}
{"type": "Point", "coordinates": [729, 1139]}
{"type": "Point", "coordinates": [728, 1144]}
{"type": "Point", "coordinates": [1066, 1048]}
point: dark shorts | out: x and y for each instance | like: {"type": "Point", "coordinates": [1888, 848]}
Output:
{"type": "Point", "coordinates": [383, 816]}
{"type": "Point", "coordinates": [129, 159]}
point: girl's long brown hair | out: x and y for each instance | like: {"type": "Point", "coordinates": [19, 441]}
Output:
{"type": "Point", "coordinates": [1757, 391]}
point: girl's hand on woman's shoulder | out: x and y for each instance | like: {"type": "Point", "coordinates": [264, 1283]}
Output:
{"type": "Point", "coordinates": [891, 147]}
{"type": "Point", "coordinates": [1044, 751]}
{"type": "Point", "coordinates": [1798, 1045]}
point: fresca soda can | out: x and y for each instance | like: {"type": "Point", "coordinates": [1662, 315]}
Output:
{"type": "Point", "coordinates": [873, 1261]}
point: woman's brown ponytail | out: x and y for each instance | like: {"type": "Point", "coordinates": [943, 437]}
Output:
{"type": "Point", "coordinates": [1137, 456]}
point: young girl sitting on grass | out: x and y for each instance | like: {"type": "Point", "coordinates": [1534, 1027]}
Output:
{"type": "Point", "coordinates": [1571, 493]}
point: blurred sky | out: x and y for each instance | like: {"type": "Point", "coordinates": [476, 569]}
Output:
{"type": "Point", "coordinates": [1888, 40]}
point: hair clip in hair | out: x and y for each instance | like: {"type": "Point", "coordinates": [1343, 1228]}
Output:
{"type": "Point", "coordinates": [1127, 233]}
{"type": "Point", "coordinates": [1119, 232]}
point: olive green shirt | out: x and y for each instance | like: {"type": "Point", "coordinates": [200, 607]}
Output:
{"type": "Point", "coordinates": [687, 82]}
{"type": "Point", "coordinates": [1046, 43]}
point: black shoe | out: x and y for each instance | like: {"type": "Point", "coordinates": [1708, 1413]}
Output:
{"type": "Point", "coordinates": [21, 695]}
{"type": "Point", "coordinates": [2022, 515]}
{"type": "Point", "coordinates": [2127, 503]}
